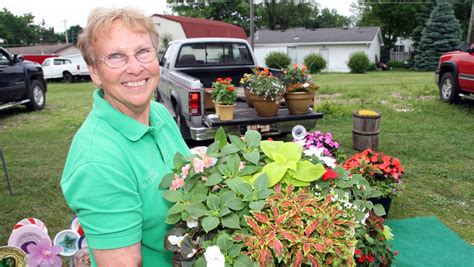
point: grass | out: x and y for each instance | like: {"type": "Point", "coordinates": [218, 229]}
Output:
{"type": "Point", "coordinates": [432, 139]}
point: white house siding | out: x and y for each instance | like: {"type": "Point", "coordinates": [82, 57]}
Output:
{"type": "Point", "coordinates": [374, 49]}
{"type": "Point", "coordinates": [165, 26]}
{"type": "Point", "coordinates": [262, 51]}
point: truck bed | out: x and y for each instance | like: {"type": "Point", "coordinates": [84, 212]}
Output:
{"type": "Point", "coordinates": [246, 116]}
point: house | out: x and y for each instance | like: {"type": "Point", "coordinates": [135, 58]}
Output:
{"type": "Point", "coordinates": [335, 45]}
{"type": "Point", "coordinates": [179, 27]}
{"type": "Point", "coordinates": [46, 49]}
{"type": "Point", "coordinates": [402, 49]}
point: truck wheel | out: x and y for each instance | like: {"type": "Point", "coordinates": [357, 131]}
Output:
{"type": "Point", "coordinates": [36, 96]}
{"type": "Point", "coordinates": [448, 88]}
{"type": "Point", "coordinates": [67, 77]}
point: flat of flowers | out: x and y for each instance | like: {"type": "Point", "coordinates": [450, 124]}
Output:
{"type": "Point", "coordinates": [426, 241]}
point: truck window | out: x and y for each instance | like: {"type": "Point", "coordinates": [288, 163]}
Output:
{"type": "Point", "coordinates": [214, 54]}
{"type": "Point", "coordinates": [4, 60]}
{"type": "Point", "coordinates": [166, 56]}
{"type": "Point", "coordinates": [46, 62]}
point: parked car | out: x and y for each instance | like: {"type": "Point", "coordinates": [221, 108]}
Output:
{"type": "Point", "coordinates": [81, 65]}
{"type": "Point", "coordinates": [21, 82]}
{"type": "Point", "coordinates": [190, 66]}
{"type": "Point", "coordinates": [455, 74]}
{"type": "Point", "coordinates": [61, 68]}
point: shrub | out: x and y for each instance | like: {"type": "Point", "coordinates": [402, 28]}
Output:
{"type": "Point", "coordinates": [277, 60]}
{"type": "Point", "coordinates": [372, 67]}
{"type": "Point", "coordinates": [314, 62]}
{"type": "Point", "coordinates": [397, 64]}
{"type": "Point", "coordinates": [358, 62]}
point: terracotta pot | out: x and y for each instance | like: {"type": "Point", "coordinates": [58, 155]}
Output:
{"type": "Point", "coordinates": [265, 108]}
{"type": "Point", "coordinates": [298, 102]}
{"type": "Point", "coordinates": [226, 112]}
{"type": "Point", "coordinates": [248, 97]}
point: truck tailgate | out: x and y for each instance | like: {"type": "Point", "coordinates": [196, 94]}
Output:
{"type": "Point", "coordinates": [246, 116]}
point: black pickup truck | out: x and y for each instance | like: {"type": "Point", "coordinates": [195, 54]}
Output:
{"type": "Point", "coordinates": [21, 82]}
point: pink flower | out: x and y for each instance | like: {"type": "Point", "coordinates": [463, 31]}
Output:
{"type": "Point", "coordinates": [185, 171]}
{"type": "Point", "coordinates": [198, 165]}
{"type": "Point", "coordinates": [242, 166]}
{"type": "Point", "coordinates": [177, 183]}
{"type": "Point", "coordinates": [43, 254]}
{"type": "Point", "coordinates": [208, 161]}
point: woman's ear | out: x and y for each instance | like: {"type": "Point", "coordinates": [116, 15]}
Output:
{"type": "Point", "coordinates": [93, 71]}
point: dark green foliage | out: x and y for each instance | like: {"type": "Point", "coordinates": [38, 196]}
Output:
{"type": "Point", "coordinates": [421, 18]}
{"type": "Point", "coordinates": [277, 60]}
{"type": "Point", "coordinates": [441, 34]}
{"type": "Point", "coordinates": [372, 67]}
{"type": "Point", "coordinates": [396, 64]}
{"type": "Point", "coordinates": [314, 62]}
{"type": "Point", "coordinates": [358, 62]}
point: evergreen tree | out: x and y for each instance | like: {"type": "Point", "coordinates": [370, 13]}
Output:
{"type": "Point", "coordinates": [421, 18]}
{"type": "Point", "coordinates": [442, 33]}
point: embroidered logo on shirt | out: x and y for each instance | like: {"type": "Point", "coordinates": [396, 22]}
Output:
{"type": "Point", "coordinates": [150, 178]}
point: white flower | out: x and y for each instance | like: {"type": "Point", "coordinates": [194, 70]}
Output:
{"type": "Point", "coordinates": [214, 257]}
{"type": "Point", "coordinates": [191, 223]}
{"type": "Point", "coordinates": [176, 240]}
{"type": "Point", "coordinates": [305, 85]}
{"type": "Point", "coordinates": [301, 142]}
{"type": "Point", "coordinates": [318, 152]}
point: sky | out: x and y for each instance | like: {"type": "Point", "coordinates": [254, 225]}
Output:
{"type": "Point", "coordinates": [63, 14]}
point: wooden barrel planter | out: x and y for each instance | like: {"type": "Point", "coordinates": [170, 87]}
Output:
{"type": "Point", "coordinates": [365, 129]}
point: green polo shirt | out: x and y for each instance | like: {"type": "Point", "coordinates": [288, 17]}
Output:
{"type": "Point", "coordinates": [111, 178]}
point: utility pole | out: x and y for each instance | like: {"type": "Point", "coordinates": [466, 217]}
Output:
{"type": "Point", "coordinates": [65, 33]}
{"type": "Point", "coordinates": [470, 38]}
{"type": "Point", "coordinates": [252, 24]}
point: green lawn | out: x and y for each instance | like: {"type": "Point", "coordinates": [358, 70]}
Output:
{"type": "Point", "coordinates": [432, 139]}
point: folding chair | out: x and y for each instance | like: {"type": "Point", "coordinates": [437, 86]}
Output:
{"type": "Point", "coordinates": [9, 183]}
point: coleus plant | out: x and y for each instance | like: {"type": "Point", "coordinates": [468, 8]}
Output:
{"type": "Point", "coordinates": [297, 227]}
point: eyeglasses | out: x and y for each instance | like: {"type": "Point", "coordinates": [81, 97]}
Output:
{"type": "Point", "coordinates": [118, 60]}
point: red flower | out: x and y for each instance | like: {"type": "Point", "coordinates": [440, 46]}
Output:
{"type": "Point", "coordinates": [230, 88]}
{"type": "Point", "coordinates": [358, 252]}
{"type": "Point", "coordinates": [370, 258]}
{"type": "Point", "coordinates": [361, 259]}
{"type": "Point", "coordinates": [396, 252]}
{"type": "Point", "coordinates": [270, 139]}
{"type": "Point", "coordinates": [329, 174]}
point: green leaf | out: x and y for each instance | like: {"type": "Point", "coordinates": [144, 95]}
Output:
{"type": "Point", "coordinates": [239, 186]}
{"type": "Point", "coordinates": [201, 262]}
{"type": "Point", "coordinates": [209, 223]}
{"type": "Point", "coordinates": [274, 172]}
{"type": "Point", "coordinates": [197, 210]}
{"type": "Point", "coordinates": [264, 194]}
{"type": "Point", "coordinates": [252, 138]}
{"type": "Point", "coordinates": [223, 170]}
{"type": "Point", "coordinates": [270, 147]}
{"type": "Point", "coordinates": [173, 196]}
{"type": "Point", "coordinates": [235, 250]}
{"type": "Point", "coordinates": [379, 210]}
{"type": "Point", "coordinates": [166, 181]}
{"type": "Point", "coordinates": [257, 205]}
{"type": "Point", "coordinates": [173, 218]}
{"type": "Point", "coordinates": [213, 202]}
{"type": "Point", "coordinates": [243, 261]}
{"type": "Point", "coordinates": [178, 161]}
{"type": "Point", "coordinates": [231, 221]}
{"type": "Point", "coordinates": [252, 157]}
{"type": "Point", "coordinates": [308, 172]}
{"type": "Point", "coordinates": [220, 137]}
{"type": "Point", "coordinates": [235, 203]}
{"type": "Point", "coordinates": [213, 150]}
{"type": "Point", "coordinates": [229, 149]}
{"type": "Point", "coordinates": [248, 170]}
{"type": "Point", "coordinates": [213, 179]}
{"type": "Point", "coordinates": [233, 165]}
{"type": "Point", "coordinates": [224, 242]}
{"type": "Point", "coordinates": [291, 151]}
{"type": "Point", "coordinates": [176, 208]}
{"type": "Point", "coordinates": [198, 197]}
{"type": "Point", "coordinates": [261, 183]}
{"type": "Point", "coordinates": [237, 141]}
{"type": "Point", "coordinates": [224, 211]}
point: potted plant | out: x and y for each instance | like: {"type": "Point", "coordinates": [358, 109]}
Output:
{"type": "Point", "coordinates": [224, 96]}
{"type": "Point", "coordinates": [244, 82]}
{"type": "Point", "coordinates": [381, 171]}
{"type": "Point", "coordinates": [324, 142]}
{"type": "Point", "coordinates": [300, 89]}
{"type": "Point", "coordinates": [266, 92]}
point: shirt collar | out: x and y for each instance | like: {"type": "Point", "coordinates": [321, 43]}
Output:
{"type": "Point", "coordinates": [127, 126]}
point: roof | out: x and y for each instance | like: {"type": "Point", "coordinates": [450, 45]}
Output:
{"type": "Point", "coordinates": [47, 49]}
{"type": "Point", "coordinates": [195, 27]}
{"type": "Point", "coordinates": [321, 35]}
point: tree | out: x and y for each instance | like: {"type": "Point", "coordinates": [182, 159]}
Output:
{"type": "Point", "coordinates": [395, 19]}
{"type": "Point", "coordinates": [232, 11]}
{"type": "Point", "coordinates": [421, 18]}
{"type": "Point", "coordinates": [73, 32]}
{"type": "Point", "coordinates": [442, 33]}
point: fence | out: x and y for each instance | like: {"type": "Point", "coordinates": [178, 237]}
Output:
{"type": "Point", "coordinates": [399, 56]}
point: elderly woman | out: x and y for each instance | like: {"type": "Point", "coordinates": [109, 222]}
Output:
{"type": "Point", "coordinates": [125, 145]}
